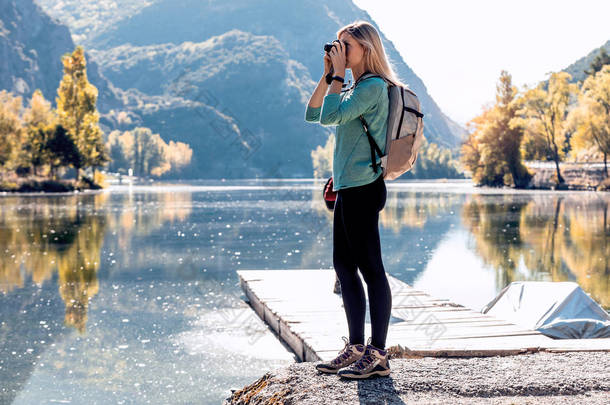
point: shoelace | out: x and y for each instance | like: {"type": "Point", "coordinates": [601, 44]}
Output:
{"type": "Point", "coordinates": [343, 353]}
{"type": "Point", "coordinates": [342, 357]}
{"type": "Point", "coordinates": [364, 361]}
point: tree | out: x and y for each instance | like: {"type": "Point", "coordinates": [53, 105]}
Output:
{"type": "Point", "coordinates": [62, 150]}
{"type": "Point", "coordinates": [470, 156]}
{"type": "Point", "coordinates": [38, 120]}
{"type": "Point", "coordinates": [39, 111]}
{"type": "Point", "coordinates": [322, 158]}
{"type": "Point", "coordinates": [146, 153]}
{"type": "Point", "coordinates": [33, 151]}
{"type": "Point", "coordinates": [510, 134]}
{"type": "Point", "coordinates": [176, 156]}
{"type": "Point", "coordinates": [433, 162]}
{"type": "Point", "coordinates": [479, 154]}
{"type": "Point", "coordinates": [76, 107]}
{"type": "Point", "coordinates": [10, 126]}
{"type": "Point", "coordinates": [492, 151]}
{"type": "Point", "coordinates": [544, 112]}
{"type": "Point", "coordinates": [591, 119]}
{"type": "Point", "coordinates": [118, 160]}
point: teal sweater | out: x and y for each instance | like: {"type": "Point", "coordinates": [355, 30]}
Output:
{"type": "Point", "coordinates": [352, 154]}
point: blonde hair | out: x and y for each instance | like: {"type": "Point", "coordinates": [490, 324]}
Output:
{"type": "Point", "coordinates": [375, 58]}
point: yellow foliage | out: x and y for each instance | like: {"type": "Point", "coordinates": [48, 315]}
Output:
{"type": "Point", "coordinates": [39, 112]}
{"type": "Point", "coordinates": [322, 158]}
{"type": "Point", "coordinates": [590, 120]}
{"type": "Point", "coordinates": [148, 153]}
{"type": "Point", "coordinates": [492, 151]}
{"type": "Point", "coordinates": [100, 179]}
{"type": "Point", "coordinates": [11, 129]}
{"type": "Point", "coordinates": [544, 116]}
{"type": "Point", "coordinates": [76, 108]}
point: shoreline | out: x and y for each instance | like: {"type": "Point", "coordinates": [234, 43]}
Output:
{"type": "Point", "coordinates": [548, 378]}
{"type": "Point", "coordinates": [22, 186]}
{"type": "Point", "coordinates": [576, 179]}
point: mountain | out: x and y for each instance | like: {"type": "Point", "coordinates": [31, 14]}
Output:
{"type": "Point", "coordinates": [232, 79]}
{"type": "Point", "coordinates": [31, 46]}
{"type": "Point", "coordinates": [577, 69]}
{"type": "Point", "coordinates": [249, 98]}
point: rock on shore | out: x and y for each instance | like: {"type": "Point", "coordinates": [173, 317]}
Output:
{"type": "Point", "coordinates": [548, 378]}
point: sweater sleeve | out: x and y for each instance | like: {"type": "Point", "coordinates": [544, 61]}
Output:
{"type": "Point", "coordinates": [363, 97]}
{"type": "Point", "coordinates": [312, 114]}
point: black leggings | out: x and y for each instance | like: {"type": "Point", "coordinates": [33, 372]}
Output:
{"type": "Point", "coordinates": [356, 245]}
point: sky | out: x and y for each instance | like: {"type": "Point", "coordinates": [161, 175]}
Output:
{"type": "Point", "coordinates": [459, 47]}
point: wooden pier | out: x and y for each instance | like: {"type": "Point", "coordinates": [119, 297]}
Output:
{"type": "Point", "coordinates": [300, 306]}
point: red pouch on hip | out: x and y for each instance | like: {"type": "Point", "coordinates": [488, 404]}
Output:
{"type": "Point", "coordinates": [330, 196]}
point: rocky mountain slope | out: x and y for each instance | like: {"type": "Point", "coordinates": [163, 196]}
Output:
{"type": "Point", "coordinates": [232, 79]}
{"type": "Point", "coordinates": [31, 46]}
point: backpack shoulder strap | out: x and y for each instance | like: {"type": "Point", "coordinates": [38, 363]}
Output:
{"type": "Point", "coordinates": [366, 75]}
{"type": "Point", "coordinates": [372, 144]}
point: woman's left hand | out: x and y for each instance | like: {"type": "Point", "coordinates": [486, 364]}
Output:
{"type": "Point", "coordinates": [337, 56]}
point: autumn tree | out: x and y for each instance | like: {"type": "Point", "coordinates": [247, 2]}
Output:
{"type": "Point", "coordinates": [117, 149]}
{"type": "Point", "coordinates": [76, 107]}
{"type": "Point", "coordinates": [470, 155]}
{"type": "Point", "coordinates": [322, 158]}
{"type": "Point", "coordinates": [10, 126]}
{"type": "Point", "coordinates": [38, 121]}
{"type": "Point", "coordinates": [543, 115]}
{"type": "Point", "coordinates": [177, 155]}
{"type": "Point", "coordinates": [591, 119]}
{"type": "Point", "coordinates": [146, 153]}
{"type": "Point", "coordinates": [492, 152]}
{"type": "Point", "coordinates": [61, 149]}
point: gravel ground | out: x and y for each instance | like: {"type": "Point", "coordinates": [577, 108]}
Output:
{"type": "Point", "coordinates": [538, 378]}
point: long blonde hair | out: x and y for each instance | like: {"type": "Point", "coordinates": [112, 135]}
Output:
{"type": "Point", "coordinates": [375, 58]}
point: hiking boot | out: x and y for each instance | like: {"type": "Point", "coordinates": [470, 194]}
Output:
{"type": "Point", "coordinates": [347, 355]}
{"type": "Point", "coordinates": [374, 361]}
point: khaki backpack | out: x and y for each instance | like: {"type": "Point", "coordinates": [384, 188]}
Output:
{"type": "Point", "coordinates": [405, 132]}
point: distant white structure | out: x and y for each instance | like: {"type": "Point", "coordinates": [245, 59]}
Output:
{"type": "Point", "coordinates": [560, 310]}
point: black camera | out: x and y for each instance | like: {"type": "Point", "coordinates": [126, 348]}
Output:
{"type": "Point", "coordinates": [329, 45]}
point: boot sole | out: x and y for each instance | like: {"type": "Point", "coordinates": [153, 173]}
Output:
{"type": "Point", "coordinates": [327, 370]}
{"type": "Point", "coordinates": [333, 371]}
{"type": "Point", "coordinates": [361, 376]}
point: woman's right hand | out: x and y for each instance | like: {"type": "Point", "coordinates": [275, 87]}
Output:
{"type": "Point", "coordinates": [328, 64]}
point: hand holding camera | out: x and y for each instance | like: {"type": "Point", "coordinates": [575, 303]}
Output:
{"type": "Point", "coordinates": [336, 51]}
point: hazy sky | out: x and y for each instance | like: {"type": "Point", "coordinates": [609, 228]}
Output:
{"type": "Point", "coordinates": [459, 47]}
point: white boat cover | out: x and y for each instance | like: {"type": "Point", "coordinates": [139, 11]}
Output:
{"type": "Point", "coordinates": [560, 310]}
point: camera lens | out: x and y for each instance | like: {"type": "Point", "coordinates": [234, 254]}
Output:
{"type": "Point", "coordinates": [328, 46]}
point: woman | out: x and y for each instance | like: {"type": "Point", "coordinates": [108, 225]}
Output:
{"type": "Point", "coordinates": [361, 192]}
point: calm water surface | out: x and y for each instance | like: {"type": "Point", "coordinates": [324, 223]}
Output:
{"type": "Point", "coordinates": [130, 295]}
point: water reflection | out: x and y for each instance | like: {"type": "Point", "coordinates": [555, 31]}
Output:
{"type": "Point", "coordinates": [58, 236]}
{"type": "Point", "coordinates": [557, 238]}
{"type": "Point", "coordinates": [415, 209]}
{"type": "Point", "coordinates": [101, 292]}
{"type": "Point", "coordinates": [552, 237]}
{"type": "Point", "coordinates": [65, 234]}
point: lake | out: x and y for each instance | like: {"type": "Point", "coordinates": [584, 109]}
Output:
{"type": "Point", "coordinates": [129, 295]}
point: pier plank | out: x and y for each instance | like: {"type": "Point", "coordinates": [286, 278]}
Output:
{"type": "Point", "coordinates": [300, 307]}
